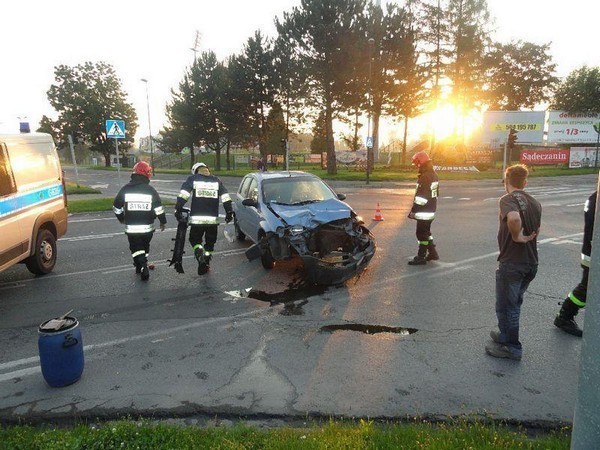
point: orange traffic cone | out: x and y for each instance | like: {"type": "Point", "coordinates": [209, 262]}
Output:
{"type": "Point", "coordinates": [378, 217]}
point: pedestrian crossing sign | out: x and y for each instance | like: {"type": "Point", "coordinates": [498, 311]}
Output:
{"type": "Point", "coordinates": [115, 129]}
{"type": "Point", "coordinates": [369, 141]}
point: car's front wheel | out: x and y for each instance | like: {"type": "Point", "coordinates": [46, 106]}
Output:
{"type": "Point", "coordinates": [239, 234]}
{"type": "Point", "coordinates": [267, 260]}
{"type": "Point", "coordinates": [43, 259]}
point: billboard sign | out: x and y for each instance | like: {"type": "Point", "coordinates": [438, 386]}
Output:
{"type": "Point", "coordinates": [572, 128]}
{"type": "Point", "coordinates": [497, 124]}
{"type": "Point", "coordinates": [542, 156]}
{"type": "Point", "coordinates": [583, 157]}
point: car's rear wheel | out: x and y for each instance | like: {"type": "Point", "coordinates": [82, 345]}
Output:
{"type": "Point", "coordinates": [239, 234]}
{"type": "Point", "coordinates": [44, 254]}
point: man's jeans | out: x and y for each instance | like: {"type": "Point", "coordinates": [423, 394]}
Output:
{"type": "Point", "coordinates": [512, 280]}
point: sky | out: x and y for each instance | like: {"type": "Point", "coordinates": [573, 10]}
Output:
{"type": "Point", "coordinates": [153, 40]}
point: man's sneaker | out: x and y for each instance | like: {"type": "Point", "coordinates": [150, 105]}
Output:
{"type": "Point", "coordinates": [568, 326]}
{"type": "Point", "coordinates": [145, 273]}
{"type": "Point", "coordinates": [501, 351]}
{"type": "Point", "coordinates": [495, 335]}
{"type": "Point", "coordinates": [417, 261]}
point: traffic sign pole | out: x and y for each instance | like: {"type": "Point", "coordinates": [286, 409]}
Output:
{"type": "Point", "coordinates": [118, 161]}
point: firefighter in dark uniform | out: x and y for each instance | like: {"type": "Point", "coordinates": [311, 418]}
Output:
{"type": "Point", "coordinates": [565, 320]}
{"type": "Point", "coordinates": [423, 208]}
{"type": "Point", "coordinates": [137, 205]}
{"type": "Point", "coordinates": [205, 190]}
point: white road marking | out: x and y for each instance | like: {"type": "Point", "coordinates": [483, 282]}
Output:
{"type": "Point", "coordinates": [90, 220]}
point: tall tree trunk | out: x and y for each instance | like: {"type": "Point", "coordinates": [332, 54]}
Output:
{"type": "Point", "coordinates": [376, 117]}
{"type": "Point", "coordinates": [331, 161]}
{"type": "Point", "coordinates": [192, 156]}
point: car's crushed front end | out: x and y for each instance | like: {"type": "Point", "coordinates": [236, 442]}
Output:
{"type": "Point", "coordinates": [333, 243]}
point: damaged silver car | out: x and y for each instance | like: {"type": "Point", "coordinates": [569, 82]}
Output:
{"type": "Point", "coordinates": [295, 213]}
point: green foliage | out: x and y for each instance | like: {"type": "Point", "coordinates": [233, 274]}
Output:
{"type": "Point", "coordinates": [579, 92]}
{"type": "Point", "coordinates": [520, 75]}
{"type": "Point", "coordinates": [334, 435]}
{"type": "Point", "coordinates": [325, 36]}
{"type": "Point", "coordinates": [276, 131]}
{"type": "Point", "coordinates": [85, 96]}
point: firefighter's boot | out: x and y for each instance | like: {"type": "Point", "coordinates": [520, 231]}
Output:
{"type": "Point", "coordinates": [420, 259]}
{"type": "Point", "coordinates": [565, 320]}
{"type": "Point", "coordinates": [201, 258]}
{"type": "Point", "coordinates": [141, 262]}
{"type": "Point", "coordinates": [432, 254]}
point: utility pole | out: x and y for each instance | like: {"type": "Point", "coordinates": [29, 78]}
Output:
{"type": "Point", "coordinates": [586, 421]}
{"type": "Point", "coordinates": [149, 128]}
{"type": "Point", "coordinates": [196, 47]}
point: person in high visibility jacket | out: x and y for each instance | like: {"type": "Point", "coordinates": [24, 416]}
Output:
{"type": "Point", "coordinates": [423, 208]}
{"type": "Point", "coordinates": [565, 320]}
{"type": "Point", "coordinates": [205, 191]}
{"type": "Point", "coordinates": [137, 205]}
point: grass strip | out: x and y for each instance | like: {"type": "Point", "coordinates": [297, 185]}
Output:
{"type": "Point", "coordinates": [74, 188]}
{"type": "Point", "coordinates": [334, 435]}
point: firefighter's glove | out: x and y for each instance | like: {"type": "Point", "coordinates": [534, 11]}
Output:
{"type": "Point", "coordinates": [228, 216]}
{"type": "Point", "coordinates": [411, 215]}
{"type": "Point", "coordinates": [179, 215]}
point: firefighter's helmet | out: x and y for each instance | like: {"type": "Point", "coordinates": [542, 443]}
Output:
{"type": "Point", "coordinates": [420, 158]}
{"type": "Point", "coordinates": [197, 166]}
{"type": "Point", "coordinates": [143, 168]}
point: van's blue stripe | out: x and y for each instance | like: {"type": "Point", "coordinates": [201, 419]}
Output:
{"type": "Point", "coordinates": [19, 201]}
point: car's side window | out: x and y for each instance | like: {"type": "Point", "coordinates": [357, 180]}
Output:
{"type": "Point", "coordinates": [7, 179]}
{"type": "Point", "coordinates": [244, 187]}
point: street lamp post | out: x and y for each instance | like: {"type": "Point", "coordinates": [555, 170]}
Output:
{"type": "Point", "coordinates": [149, 127]}
{"type": "Point", "coordinates": [369, 138]}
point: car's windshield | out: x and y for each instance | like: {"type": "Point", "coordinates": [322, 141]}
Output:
{"type": "Point", "coordinates": [294, 191]}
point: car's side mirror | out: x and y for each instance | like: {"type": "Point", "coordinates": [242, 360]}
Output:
{"type": "Point", "coordinates": [341, 196]}
{"type": "Point", "coordinates": [250, 202]}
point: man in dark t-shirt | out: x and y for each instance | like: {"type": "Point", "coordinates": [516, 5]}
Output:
{"type": "Point", "coordinates": [520, 220]}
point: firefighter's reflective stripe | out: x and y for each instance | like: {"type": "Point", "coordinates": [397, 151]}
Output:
{"type": "Point", "coordinates": [423, 242]}
{"type": "Point", "coordinates": [435, 185]}
{"type": "Point", "coordinates": [159, 210]}
{"type": "Point", "coordinates": [586, 207]}
{"type": "Point", "coordinates": [118, 211]}
{"type": "Point", "coordinates": [138, 253]}
{"type": "Point", "coordinates": [420, 201]}
{"type": "Point", "coordinates": [184, 194]}
{"type": "Point", "coordinates": [139, 228]}
{"type": "Point", "coordinates": [586, 260]}
{"type": "Point", "coordinates": [206, 189]}
{"type": "Point", "coordinates": [576, 300]}
{"type": "Point", "coordinates": [424, 215]}
{"type": "Point", "coordinates": [225, 198]}
{"type": "Point", "coordinates": [203, 220]}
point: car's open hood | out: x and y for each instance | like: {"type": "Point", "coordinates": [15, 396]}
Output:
{"type": "Point", "coordinates": [313, 214]}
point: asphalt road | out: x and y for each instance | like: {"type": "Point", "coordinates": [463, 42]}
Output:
{"type": "Point", "coordinates": [399, 341]}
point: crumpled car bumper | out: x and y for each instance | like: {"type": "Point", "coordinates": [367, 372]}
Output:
{"type": "Point", "coordinates": [337, 267]}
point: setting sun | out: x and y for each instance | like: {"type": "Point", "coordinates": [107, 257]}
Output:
{"type": "Point", "coordinates": [446, 121]}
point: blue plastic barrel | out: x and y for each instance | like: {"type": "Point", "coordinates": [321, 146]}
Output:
{"type": "Point", "coordinates": [61, 352]}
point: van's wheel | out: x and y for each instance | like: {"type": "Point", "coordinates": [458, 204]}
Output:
{"type": "Point", "coordinates": [44, 254]}
{"type": "Point", "coordinates": [238, 233]}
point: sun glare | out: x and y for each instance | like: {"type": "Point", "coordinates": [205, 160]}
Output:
{"type": "Point", "coordinates": [446, 121]}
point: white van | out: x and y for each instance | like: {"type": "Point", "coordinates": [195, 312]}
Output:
{"type": "Point", "coordinates": [33, 202]}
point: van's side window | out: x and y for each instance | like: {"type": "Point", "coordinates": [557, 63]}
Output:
{"type": "Point", "coordinates": [7, 180]}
